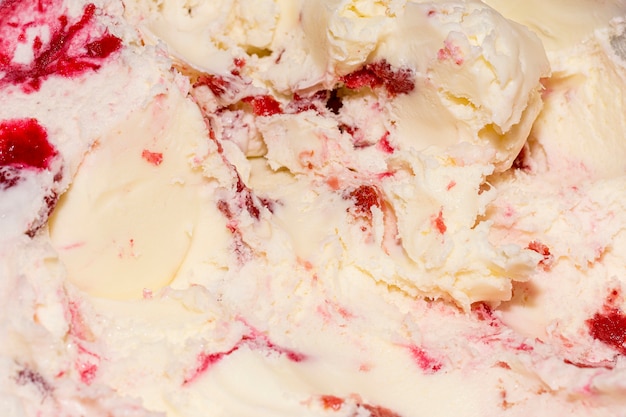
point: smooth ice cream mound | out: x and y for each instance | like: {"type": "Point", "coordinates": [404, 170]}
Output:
{"type": "Point", "coordinates": [326, 139]}
{"type": "Point", "coordinates": [492, 104]}
{"type": "Point", "coordinates": [320, 45]}
{"type": "Point", "coordinates": [313, 208]}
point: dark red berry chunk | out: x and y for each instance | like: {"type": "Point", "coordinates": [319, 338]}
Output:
{"type": "Point", "coordinates": [24, 145]}
{"type": "Point", "coordinates": [365, 197]}
{"type": "Point", "coordinates": [381, 74]}
{"type": "Point", "coordinates": [609, 328]}
{"type": "Point", "coordinates": [264, 105]}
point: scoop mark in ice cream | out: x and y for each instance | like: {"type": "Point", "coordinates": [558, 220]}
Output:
{"type": "Point", "coordinates": [73, 48]}
{"type": "Point", "coordinates": [381, 74]}
{"type": "Point", "coordinates": [23, 145]}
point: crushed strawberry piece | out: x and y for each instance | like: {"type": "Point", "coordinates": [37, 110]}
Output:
{"type": "Point", "coordinates": [484, 312]}
{"type": "Point", "coordinates": [365, 197]}
{"type": "Point", "coordinates": [451, 52]}
{"type": "Point", "coordinates": [384, 144]}
{"type": "Point", "coordinates": [87, 372]}
{"type": "Point", "coordinates": [609, 324]}
{"type": "Point", "coordinates": [331, 402]}
{"type": "Point", "coordinates": [426, 362]}
{"type": "Point", "coordinates": [613, 298]}
{"type": "Point", "coordinates": [382, 74]}
{"type": "Point", "coordinates": [218, 85]}
{"type": "Point", "coordinates": [238, 63]}
{"type": "Point", "coordinates": [263, 105]}
{"type": "Point", "coordinates": [103, 47]}
{"type": "Point", "coordinates": [378, 411]}
{"type": "Point", "coordinates": [154, 158]}
{"type": "Point", "coordinates": [24, 144]}
{"type": "Point", "coordinates": [315, 102]}
{"type": "Point", "coordinates": [609, 328]}
{"type": "Point", "coordinates": [543, 250]}
{"type": "Point", "coordinates": [365, 77]}
{"type": "Point", "coordinates": [351, 130]}
{"type": "Point", "coordinates": [439, 223]}
{"type": "Point", "coordinates": [87, 365]}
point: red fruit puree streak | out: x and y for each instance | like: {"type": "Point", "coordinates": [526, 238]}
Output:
{"type": "Point", "coordinates": [254, 340]}
{"type": "Point", "coordinates": [55, 57]}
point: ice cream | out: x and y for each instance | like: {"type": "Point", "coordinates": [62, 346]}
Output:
{"type": "Point", "coordinates": [316, 208]}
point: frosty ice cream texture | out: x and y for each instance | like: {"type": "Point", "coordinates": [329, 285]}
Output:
{"type": "Point", "coordinates": [422, 118]}
{"type": "Point", "coordinates": [313, 201]}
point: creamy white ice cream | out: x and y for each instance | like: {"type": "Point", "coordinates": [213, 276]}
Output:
{"type": "Point", "coordinates": [316, 208]}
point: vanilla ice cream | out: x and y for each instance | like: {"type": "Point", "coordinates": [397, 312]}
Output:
{"type": "Point", "coordinates": [311, 207]}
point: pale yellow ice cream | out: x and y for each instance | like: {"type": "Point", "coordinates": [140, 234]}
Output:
{"type": "Point", "coordinates": [313, 208]}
